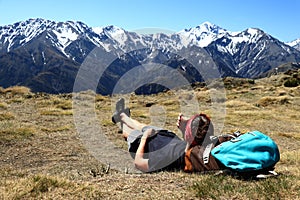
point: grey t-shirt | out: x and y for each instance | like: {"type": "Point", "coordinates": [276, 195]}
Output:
{"type": "Point", "coordinates": [165, 150]}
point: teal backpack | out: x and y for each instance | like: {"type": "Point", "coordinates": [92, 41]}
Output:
{"type": "Point", "coordinates": [252, 151]}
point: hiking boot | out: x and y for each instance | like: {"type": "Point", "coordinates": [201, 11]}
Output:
{"type": "Point", "coordinates": [120, 108]}
{"type": "Point", "coordinates": [116, 116]}
{"type": "Point", "coordinates": [120, 105]}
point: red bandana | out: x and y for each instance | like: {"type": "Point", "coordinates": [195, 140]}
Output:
{"type": "Point", "coordinates": [188, 136]}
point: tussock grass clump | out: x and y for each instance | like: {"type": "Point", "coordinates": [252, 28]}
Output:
{"type": "Point", "coordinates": [56, 106]}
{"type": "Point", "coordinates": [140, 114]}
{"type": "Point", "coordinates": [65, 105]}
{"type": "Point", "coordinates": [6, 116]}
{"type": "Point", "coordinates": [214, 187]}
{"type": "Point", "coordinates": [203, 96]}
{"type": "Point", "coordinates": [269, 100]}
{"type": "Point", "coordinates": [230, 82]}
{"type": "Point", "coordinates": [291, 158]}
{"type": "Point", "coordinates": [291, 78]}
{"type": "Point", "coordinates": [3, 105]}
{"type": "Point", "coordinates": [295, 91]}
{"type": "Point", "coordinates": [17, 90]}
{"type": "Point", "coordinates": [44, 184]}
{"type": "Point", "coordinates": [238, 104]}
{"type": "Point", "coordinates": [292, 82]}
{"type": "Point", "coordinates": [56, 102]}
{"type": "Point", "coordinates": [100, 98]}
{"type": "Point", "coordinates": [60, 103]}
{"type": "Point", "coordinates": [171, 104]}
{"type": "Point", "coordinates": [48, 187]}
{"type": "Point", "coordinates": [290, 135]}
{"type": "Point", "coordinates": [56, 112]}
{"type": "Point", "coordinates": [10, 134]}
{"type": "Point", "coordinates": [56, 129]}
{"type": "Point", "coordinates": [106, 122]}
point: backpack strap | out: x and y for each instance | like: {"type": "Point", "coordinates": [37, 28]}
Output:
{"type": "Point", "coordinates": [206, 153]}
{"type": "Point", "coordinates": [198, 158]}
{"type": "Point", "coordinates": [208, 148]}
{"type": "Point", "coordinates": [213, 141]}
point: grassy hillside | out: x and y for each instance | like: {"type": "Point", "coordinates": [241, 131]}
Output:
{"type": "Point", "coordinates": [42, 156]}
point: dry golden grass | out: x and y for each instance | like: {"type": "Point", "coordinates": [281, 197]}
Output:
{"type": "Point", "coordinates": [56, 129]}
{"type": "Point", "coordinates": [265, 101]}
{"type": "Point", "coordinates": [16, 90]}
{"type": "Point", "coordinates": [3, 105]}
{"type": "Point", "coordinates": [6, 116]}
{"type": "Point", "coordinates": [234, 103]}
{"type": "Point", "coordinates": [42, 156]}
{"type": "Point", "coordinates": [56, 106]}
{"type": "Point", "coordinates": [13, 133]}
{"type": "Point", "coordinates": [47, 187]}
{"type": "Point", "coordinates": [56, 112]}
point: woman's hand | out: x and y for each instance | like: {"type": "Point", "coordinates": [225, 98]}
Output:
{"type": "Point", "coordinates": [149, 132]}
{"type": "Point", "coordinates": [181, 123]}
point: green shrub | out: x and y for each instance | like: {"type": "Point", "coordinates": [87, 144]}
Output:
{"type": "Point", "coordinates": [44, 184]}
{"type": "Point", "coordinates": [292, 82]}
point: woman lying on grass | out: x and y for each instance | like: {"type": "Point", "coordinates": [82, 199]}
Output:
{"type": "Point", "coordinates": [155, 149]}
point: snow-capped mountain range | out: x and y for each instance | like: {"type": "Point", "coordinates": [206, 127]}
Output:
{"type": "Point", "coordinates": [43, 52]}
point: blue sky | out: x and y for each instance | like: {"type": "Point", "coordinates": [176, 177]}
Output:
{"type": "Point", "coordinates": [280, 18]}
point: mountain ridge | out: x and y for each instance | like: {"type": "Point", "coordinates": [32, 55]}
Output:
{"type": "Point", "coordinates": [36, 42]}
{"type": "Point", "coordinates": [203, 29]}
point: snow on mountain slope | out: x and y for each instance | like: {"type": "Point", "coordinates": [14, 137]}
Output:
{"type": "Point", "coordinates": [231, 43]}
{"type": "Point", "coordinates": [60, 34]}
{"type": "Point", "coordinates": [201, 35]}
{"type": "Point", "coordinates": [75, 40]}
{"type": "Point", "coordinates": [295, 44]}
{"type": "Point", "coordinates": [63, 46]}
{"type": "Point", "coordinates": [251, 52]}
{"type": "Point", "coordinates": [128, 41]}
{"type": "Point", "coordinates": [116, 34]}
{"type": "Point", "coordinates": [21, 32]}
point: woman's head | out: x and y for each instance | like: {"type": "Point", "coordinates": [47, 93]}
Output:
{"type": "Point", "coordinates": [198, 127]}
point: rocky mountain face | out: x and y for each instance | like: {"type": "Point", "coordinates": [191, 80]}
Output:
{"type": "Point", "coordinates": [295, 44]}
{"type": "Point", "coordinates": [251, 53]}
{"type": "Point", "coordinates": [47, 56]}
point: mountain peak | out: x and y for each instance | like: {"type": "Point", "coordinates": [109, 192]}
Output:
{"type": "Point", "coordinates": [295, 44]}
{"type": "Point", "coordinates": [203, 34]}
{"type": "Point", "coordinates": [205, 27]}
{"type": "Point", "coordinates": [294, 41]}
{"type": "Point", "coordinates": [20, 33]}
{"type": "Point", "coordinates": [209, 27]}
{"type": "Point", "coordinates": [109, 30]}
{"type": "Point", "coordinates": [251, 35]}
{"type": "Point", "coordinates": [254, 31]}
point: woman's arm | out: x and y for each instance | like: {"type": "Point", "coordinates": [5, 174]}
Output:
{"type": "Point", "coordinates": [181, 123]}
{"type": "Point", "coordinates": [140, 162]}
